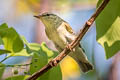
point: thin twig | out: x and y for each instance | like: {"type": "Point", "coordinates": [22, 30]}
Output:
{"type": "Point", "coordinates": [72, 45]}
{"type": "Point", "coordinates": [5, 58]}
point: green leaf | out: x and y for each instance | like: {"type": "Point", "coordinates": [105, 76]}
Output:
{"type": "Point", "coordinates": [20, 77]}
{"type": "Point", "coordinates": [30, 47]}
{"type": "Point", "coordinates": [55, 73]}
{"type": "Point", "coordinates": [40, 59]}
{"type": "Point", "coordinates": [2, 68]}
{"type": "Point", "coordinates": [17, 44]}
{"type": "Point", "coordinates": [34, 46]}
{"type": "Point", "coordinates": [108, 29]}
{"type": "Point", "coordinates": [11, 39]}
{"type": "Point", "coordinates": [23, 52]}
{"type": "Point", "coordinates": [24, 40]}
{"type": "Point", "coordinates": [2, 51]}
{"type": "Point", "coordinates": [3, 26]}
{"type": "Point", "coordinates": [1, 41]}
{"type": "Point", "coordinates": [50, 53]}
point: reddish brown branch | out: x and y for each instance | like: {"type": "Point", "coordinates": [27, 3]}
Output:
{"type": "Point", "coordinates": [72, 45]}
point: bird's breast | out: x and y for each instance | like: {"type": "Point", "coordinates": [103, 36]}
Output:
{"type": "Point", "coordinates": [56, 38]}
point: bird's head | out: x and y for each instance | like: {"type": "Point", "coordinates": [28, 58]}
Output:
{"type": "Point", "coordinates": [49, 19]}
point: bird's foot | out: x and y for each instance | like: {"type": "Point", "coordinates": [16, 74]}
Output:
{"type": "Point", "coordinates": [69, 47]}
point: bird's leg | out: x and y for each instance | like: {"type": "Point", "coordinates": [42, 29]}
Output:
{"type": "Point", "coordinates": [69, 47]}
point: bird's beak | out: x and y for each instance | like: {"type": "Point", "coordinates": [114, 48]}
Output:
{"type": "Point", "coordinates": [39, 16]}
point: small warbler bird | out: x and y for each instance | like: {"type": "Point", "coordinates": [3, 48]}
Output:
{"type": "Point", "coordinates": [61, 34]}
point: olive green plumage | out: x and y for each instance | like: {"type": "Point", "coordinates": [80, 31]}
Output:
{"type": "Point", "coordinates": [61, 34]}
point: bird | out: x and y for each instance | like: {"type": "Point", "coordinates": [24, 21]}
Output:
{"type": "Point", "coordinates": [61, 34]}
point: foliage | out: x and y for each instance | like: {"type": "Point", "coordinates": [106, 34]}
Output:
{"type": "Point", "coordinates": [10, 38]}
{"type": "Point", "coordinates": [41, 55]}
{"type": "Point", "coordinates": [40, 58]}
{"type": "Point", "coordinates": [107, 26]}
{"type": "Point", "coordinates": [2, 68]}
{"type": "Point", "coordinates": [20, 77]}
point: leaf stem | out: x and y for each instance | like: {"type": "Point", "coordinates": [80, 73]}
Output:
{"type": "Point", "coordinates": [5, 58]}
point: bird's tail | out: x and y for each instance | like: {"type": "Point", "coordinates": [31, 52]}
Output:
{"type": "Point", "coordinates": [80, 57]}
{"type": "Point", "coordinates": [85, 67]}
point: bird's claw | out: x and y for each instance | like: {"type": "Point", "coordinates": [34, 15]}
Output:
{"type": "Point", "coordinates": [69, 47]}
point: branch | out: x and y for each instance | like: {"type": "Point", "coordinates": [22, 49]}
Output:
{"type": "Point", "coordinates": [5, 58]}
{"type": "Point", "coordinates": [72, 45]}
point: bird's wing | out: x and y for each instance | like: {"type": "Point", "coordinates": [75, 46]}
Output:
{"type": "Point", "coordinates": [78, 54]}
{"type": "Point", "coordinates": [69, 33]}
{"type": "Point", "coordinates": [68, 28]}
{"type": "Point", "coordinates": [72, 35]}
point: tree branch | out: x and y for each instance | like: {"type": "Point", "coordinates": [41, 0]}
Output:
{"type": "Point", "coordinates": [5, 58]}
{"type": "Point", "coordinates": [72, 45]}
